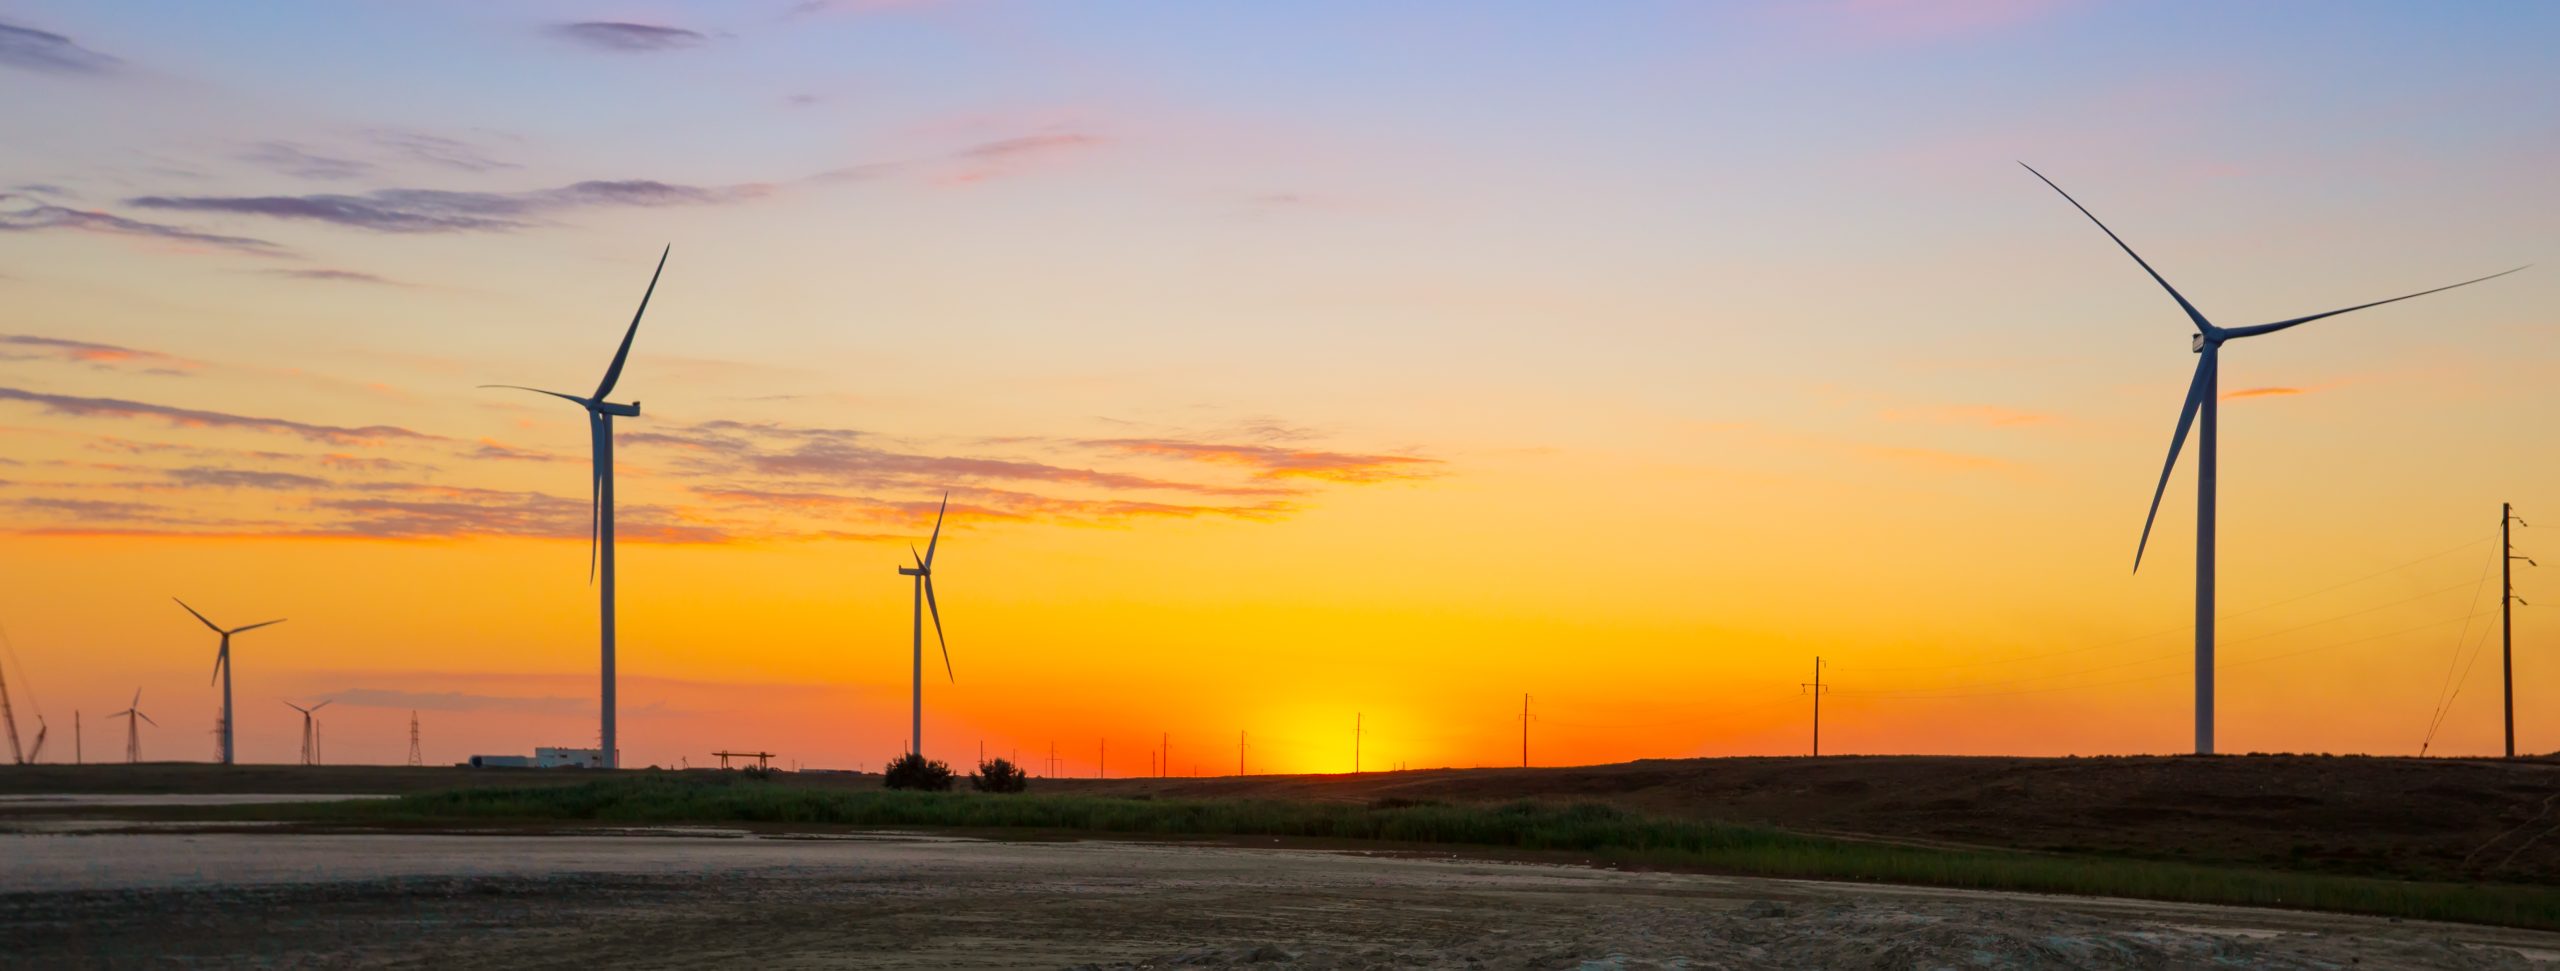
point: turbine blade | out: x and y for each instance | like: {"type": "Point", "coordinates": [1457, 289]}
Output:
{"type": "Point", "coordinates": [614, 373]}
{"type": "Point", "coordinates": [937, 629]}
{"type": "Point", "coordinates": [136, 702]}
{"type": "Point", "coordinates": [937, 531]}
{"type": "Point", "coordinates": [2202, 324]}
{"type": "Point", "coordinates": [582, 402]}
{"type": "Point", "coordinates": [217, 628]}
{"type": "Point", "coordinates": [321, 705]}
{"type": "Point", "coordinates": [220, 658]}
{"type": "Point", "coordinates": [598, 429]}
{"type": "Point", "coordinates": [146, 718]}
{"type": "Point", "coordinates": [2257, 329]}
{"type": "Point", "coordinates": [252, 627]}
{"type": "Point", "coordinates": [2186, 420]}
{"type": "Point", "coordinates": [296, 707]}
{"type": "Point", "coordinates": [911, 551]}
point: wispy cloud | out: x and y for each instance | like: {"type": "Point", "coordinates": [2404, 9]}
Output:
{"type": "Point", "coordinates": [451, 153]}
{"type": "Point", "coordinates": [83, 407]}
{"type": "Point", "coordinates": [335, 276]}
{"type": "Point", "coordinates": [293, 160]}
{"type": "Point", "coordinates": [49, 53]}
{"type": "Point", "coordinates": [212, 478]}
{"type": "Point", "coordinates": [729, 448]}
{"type": "Point", "coordinates": [98, 510]}
{"type": "Point", "coordinates": [1275, 462]}
{"type": "Point", "coordinates": [440, 211]}
{"type": "Point", "coordinates": [41, 217]}
{"type": "Point", "coordinates": [24, 347]}
{"type": "Point", "coordinates": [459, 701]}
{"type": "Point", "coordinates": [988, 160]}
{"type": "Point", "coordinates": [491, 449]}
{"type": "Point", "coordinates": [2263, 393]}
{"type": "Point", "coordinates": [627, 38]}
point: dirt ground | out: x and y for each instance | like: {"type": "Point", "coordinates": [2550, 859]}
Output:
{"type": "Point", "coordinates": [715, 898]}
{"type": "Point", "coordinates": [2435, 819]}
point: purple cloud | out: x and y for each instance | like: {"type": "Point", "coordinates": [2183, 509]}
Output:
{"type": "Point", "coordinates": [50, 53]}
{"type": "Point", "coordinates": [193, 418]}
{"type": "Point", "coordinates": [437, 210]}
{"type": "Point", "coordinates": [44, 217]}
{"type": "Point", "coordinates": [628, 38]}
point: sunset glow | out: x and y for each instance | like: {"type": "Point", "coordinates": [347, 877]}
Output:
{"type": "Point", "coordinates": [1285, 365]}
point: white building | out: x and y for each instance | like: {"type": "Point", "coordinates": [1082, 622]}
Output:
{"type": "Point", "coordinates": [548, 757]}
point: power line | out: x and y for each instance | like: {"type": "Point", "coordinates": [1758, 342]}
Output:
{"type": "Point", "coordinates": [2446, 691]}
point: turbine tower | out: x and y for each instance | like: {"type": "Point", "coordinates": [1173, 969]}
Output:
{"type": "Point", "coordinates": [310, 731]}
{"type": "Point", "coordinates": [600, 415]}
{"type": "Point", "coordinates": [222, 670]}
{"type": "Point", "coordinates": [2200, 412]}
{"type": "Point", "coordinates": [923, 573]}
{"type": "Point", "coordinates": [133, 728]}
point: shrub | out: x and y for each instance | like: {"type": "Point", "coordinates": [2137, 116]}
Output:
{"type": "Point", "coordinates": [998, 775]}
{"type": "Point", "coordinates": [912, 771]}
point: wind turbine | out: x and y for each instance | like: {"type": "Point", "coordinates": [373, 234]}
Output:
{"type": "Point", "coordinates": [133, 728]}
{"type": "Point", "coordinates": [310, 731]}
{"type": "Point", "coordinates": [2203, 393]}
{"type": "Point", "coordinates": [923, 572]}
{"type": "Point", "coordinates": [222, 670]}
{"type": "Point", "coordinates": [600, 415]}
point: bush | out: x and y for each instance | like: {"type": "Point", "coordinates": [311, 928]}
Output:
{"type": "Point", "coordinates": [913, 771]}
{"type": "Point", "coordinates": [998, 775]}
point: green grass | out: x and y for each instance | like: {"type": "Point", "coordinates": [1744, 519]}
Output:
{"type": "Point", "coordinates": [1599, 831]}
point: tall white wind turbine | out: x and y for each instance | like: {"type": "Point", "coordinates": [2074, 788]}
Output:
{"type": "Point", "coordinates": [2200, 411]}
{"type": "Point", "coordinates": [923, 574]}
{"type": "Point", "coordinates": [222, 670]}
{"type": "Point", "coordinates": [133, 728]}
{"type": "Point", "coordinates": [600, 415]}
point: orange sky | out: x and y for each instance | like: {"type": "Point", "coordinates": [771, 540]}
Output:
{"type": "Point", "coordinates": [1281, 374]}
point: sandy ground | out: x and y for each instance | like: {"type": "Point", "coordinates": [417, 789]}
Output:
{"type": "Point", "coordinates": [128, 800]}
{"type": "Point", "coordinates": [69, 899]}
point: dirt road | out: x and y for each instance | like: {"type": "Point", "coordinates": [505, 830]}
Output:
{"type": "Point", "coordinates": [655, 900]}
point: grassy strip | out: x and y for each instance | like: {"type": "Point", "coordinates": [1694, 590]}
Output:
{"type": "Point", "coordinates": [1590, 828]}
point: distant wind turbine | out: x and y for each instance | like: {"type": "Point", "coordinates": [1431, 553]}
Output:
{"type": "Point", "coordinates": [2203, 393]}
{"type": "Point", "coordinates": [133, 728]}
{"type": "Point", "coordinates": [310, 731]}
{"type": "Point", "coordinates": [600, 415]}
{"type": "Point", "coordinates": [923, 572]}
{"type": "Point", "coordinates": [222, 670]}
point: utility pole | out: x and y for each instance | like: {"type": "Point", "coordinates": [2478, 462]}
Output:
{"type": "Point", "coordinates": [1524, 731]}
{"type": "Point", "coordinates": [1816, 689]}
{"type": "Point", "coordinates": [413, 740]}
{"type": "Point", "coordinates": [1239, 751]}
{"type": "Point", "coordinates": [2507, 602]}
{"type": "Point", "coordinates": [77, 759]}
{"type": "Point", "coordinates": [1053, 759]}
{"type": "Point", "coordinates": [1355, 743]}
